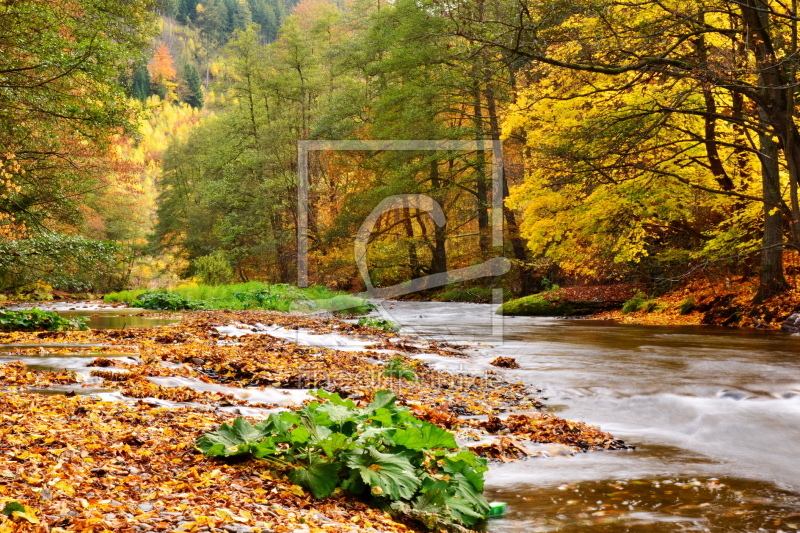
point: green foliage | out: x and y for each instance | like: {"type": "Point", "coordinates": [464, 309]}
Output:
{"type": "Point", "coordinates": [61, 99]}
{"type": "Point", "coordinates": [141, 84]}
{"type": "Point", "coordinates": [12, 507]}
{"type": "Point", "coordinates": [194, 96]}
{"type": "Point", "coordinates": [397, 369]}
{"type": "Point", "coordinates": [123, 296]}
{"type": "Point", "coordinates": [213, 269]}
{"type": "Point", "coordinates": [545, 304]}
{"type": "Point", "coordinates": [471, 294]}
{"type": "Point", "coordinates": [165, 300]}
{"type": "Point", "coordinates": [650, 306]}
{"type": "Point", "coordinates": [687, 306]}
{"type": "Point", "coordinates": [380, 323]}
{"type": "Point", "coordinates": [635, 303]}
{"type": "Point", "coordinates": [380, 452]}
{"type": "Point", "coordinates": [38, 320]}
{"type": "Point", "coordinates": [66, 262]}
{"type": "Point", "coordinates": [254, 295]}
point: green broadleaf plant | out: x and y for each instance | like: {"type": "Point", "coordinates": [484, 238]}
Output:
{"type": "Point", "coordinates": [380, 452]}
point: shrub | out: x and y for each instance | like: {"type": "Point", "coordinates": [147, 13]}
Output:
{"type": "Point", "coordinates": [687, 306]}
{"type": "Point", "coordinates": [634, 304]}
{"type": "Point", "coordinates": [381, 453]}
{"type": "Point", "coordinates": [66, 262]}
{"type": "Point", "coordinates": [38, 320]}
{"type": "Point", "coordinates": [380, 323]}
{"type": "Point", "coordinates": [166, 301]}
{"type": "Point", "coordinates": [213, 269]}
{"type": "Point", "coordinates": [399, 370]}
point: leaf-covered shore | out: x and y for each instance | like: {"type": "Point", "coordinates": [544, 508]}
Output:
{"type": "Point", "coordinates": [82, 464]}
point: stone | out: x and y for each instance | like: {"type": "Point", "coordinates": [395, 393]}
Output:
{"type": "Point", "coordinates": [792, 324]}
{"type": "Point", "coordinates": [145, 507]}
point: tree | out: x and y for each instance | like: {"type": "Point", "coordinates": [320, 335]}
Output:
{"type": "Point", "coordinates": [194, 94]}
{"type": "Point", "coordinates": [163, 75]}
{"type": "Point", "coordinates": [60, 102]}
{"type": "Point", "coordinates": [732, 55]}
{"type": "Point", "coordinates": [141, 84]}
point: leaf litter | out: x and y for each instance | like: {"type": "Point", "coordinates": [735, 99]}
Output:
{"type": "Point", "coordinates": [83, 464]}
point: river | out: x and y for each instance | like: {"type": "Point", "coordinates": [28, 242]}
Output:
{"type": "Point", "coordinates": [714, 414]}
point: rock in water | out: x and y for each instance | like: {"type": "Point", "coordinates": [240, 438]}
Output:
{"type": "Point", "coordinates": [792, 324]}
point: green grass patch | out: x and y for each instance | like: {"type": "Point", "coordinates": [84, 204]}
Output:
{"type": "Point", "coordinates": [545, 304]}
{"type": "Point", "coordinates": [241, 296]}
{"type": "Point", "coordinates": [640, 302]}
{"type": "Point", "coordinates": [399, 370]}
{"type": "Point", "coordinates": [380, 323]}
{"type": "Point", "coordinates": [687, 306]}
{"type": "Point", "coordinates": [471, 294]}
{"type": "Point", "coordinates": [123, 296]}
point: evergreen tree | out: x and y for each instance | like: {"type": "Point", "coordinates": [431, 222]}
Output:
{"type": "Point", "coordinates": [141, 84]}
{"type": "Point", "coordinates": [195, 90]}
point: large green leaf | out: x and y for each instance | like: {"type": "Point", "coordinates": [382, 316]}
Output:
{"type": "Point", "coordinates": [426, 436]}
{"type": "Point", "coordinates": [383, 399]}
{"type": "Point", "coordinates": [466, 500]}
{"type": "Point", "coordinates": [335, 444]}
{"type": "Point", "coordinates": [335, 399]}
{"type": "Point", "coordinates": [231, 440]}
{"type": "Point", "coordinates": [390, 475]}
{"type": "Point", "coordinates": [320, 477]}
{"type": "Point", "coordinates": [337, 413]}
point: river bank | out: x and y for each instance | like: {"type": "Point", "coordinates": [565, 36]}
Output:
{"type": "Point", "coordinates": [98, 426]}
{"type": "Point", "coordinates": [729, 304]}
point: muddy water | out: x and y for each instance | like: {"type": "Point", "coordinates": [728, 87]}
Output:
{"type": "Point", "coordinates": [102, 316]}
{"type": "Point", "coordinates": [714, 413]}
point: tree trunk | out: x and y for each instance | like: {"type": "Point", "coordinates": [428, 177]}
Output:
{"type": "Point", "coordinates": [772, 279]}
{"type": "Point", "coordinates": [439, 263]}
{"type": "Point", "coordinates": [481, 189]}
{"type": "Point", "coordinates": [518, 245]}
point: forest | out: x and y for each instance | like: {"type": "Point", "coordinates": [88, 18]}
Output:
{"type": "Point", "coordinates": [648, 145]}
{"type": "Point", "coordinates": [300, 266]}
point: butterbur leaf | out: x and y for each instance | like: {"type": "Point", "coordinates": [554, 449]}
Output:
{"type": "Point", "coordinates": [244, 431]}
{"type": "Point", "coordinates": [334, 399]}
{"type": "Point", "coordinates": [230, 440]}
{"type": "Point", "coordinates": [300, 435]}
{"type": "Point", "coordinates": [392, 474]}
{"type": "Point", "coordinates": [426, 436]}
{"type": "Point", "coordinates": [336, 413]}
{"type": "Point", "coordinates": [384, 416]}
{"type": "Point", "coordinates": [466, 511]}
{"type": "Point", "coordinates": [334, 444]}
{"type": "Point", "coordinates": [320, 477]}
{"type": "Point", "coordinates": [383, 398]}
{"type": "Point", "coordinates": [465, 500]}
{"type": "Point", "coordinates": [263, 449]}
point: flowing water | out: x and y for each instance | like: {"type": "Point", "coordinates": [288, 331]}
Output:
{"type": "Point", "coordinates": [714, 413]}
